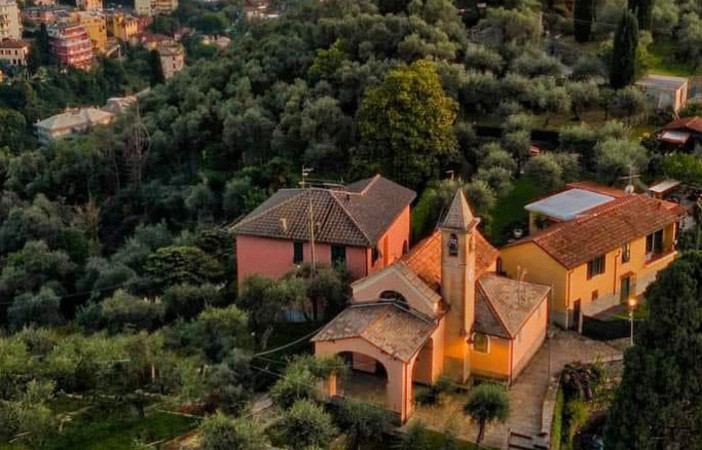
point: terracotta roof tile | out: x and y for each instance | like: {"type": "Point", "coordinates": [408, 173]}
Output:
{"type": "Point", "coordinates": [693, 123]}
{"type": "Point", "coordinates": [604, 228]}
{"type": "Point", "coordinates": [389, 327]}
{"type": "Point", "coordinates": [356, 216]}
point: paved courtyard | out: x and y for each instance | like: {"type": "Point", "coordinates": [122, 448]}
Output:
{"type": "Point", "coordinates": [526, 394]}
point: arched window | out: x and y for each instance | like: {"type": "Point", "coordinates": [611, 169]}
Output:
{"type": "Point", "coordinates": [393, 295]}
{"type": "Point", "coordinates": [453, 245]}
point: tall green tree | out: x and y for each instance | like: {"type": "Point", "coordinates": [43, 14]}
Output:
{"type": "Point", "coordinates": [626, 39]}
{"type": "Point", "coordinates": [583, 17]}
{"type": "Point", "coordinates": [405, 125]}
{"type": "Point", "coordinates": [644, 12]}
{"type": "Point", "coordinates": [657, 405]}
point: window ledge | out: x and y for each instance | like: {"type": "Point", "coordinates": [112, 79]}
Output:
{"type": "Point", "coordinates": [662, 258]}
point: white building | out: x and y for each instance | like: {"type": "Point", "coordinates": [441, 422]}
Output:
{"type": "Point", "coordinates": [71, 121]}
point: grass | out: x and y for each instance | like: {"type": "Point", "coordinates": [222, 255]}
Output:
{"type": "Point", "coordinates": [510, 210]}
{"type": "Point", "coordinates": [662, 60]}
{"type": "Point", "coordinates": [116, 433]}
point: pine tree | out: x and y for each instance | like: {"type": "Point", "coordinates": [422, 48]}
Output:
{"type": "Point", "coordinates": [626, 39]}
{"type": "Point", "coordinates": [643, 10]}
{"type": "Point", "coordinates": [583, 16]}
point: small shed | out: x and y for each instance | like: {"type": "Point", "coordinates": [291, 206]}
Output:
{"type": "Point", "coordinates": [662, 189]}
{"type": "Point", "coordinates": [665, 91]}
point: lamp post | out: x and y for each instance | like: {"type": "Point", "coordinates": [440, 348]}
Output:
{"type": "Point", "coordinates": [632, 304]}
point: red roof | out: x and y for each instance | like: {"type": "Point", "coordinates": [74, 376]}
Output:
{"type": "Point", "coordinates": [11, 43]}
{"type": "Point", "coordinates": [425, 258]}
{"type": "Point", "coordinates": [693, 123]}
{"type": "Point", "coordinates": [604, 228]}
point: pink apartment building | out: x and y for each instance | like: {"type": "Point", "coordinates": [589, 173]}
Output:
{"type": "Point", "coordinates": [71, 45]}
{"type": "Point", "coordinates": [364, 225]}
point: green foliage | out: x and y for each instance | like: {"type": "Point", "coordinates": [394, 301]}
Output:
{"type": "Point", "coordinates": [416, 437]}
{"type": "Point", "coordinates": [186, 301]}
{"type": "Point", "coordinates": [40, 309]}
{"type": "Point", "coordinates": [626, 39]}
{"type": "Point", "coordinates": [654, 404]}
{"type": "Point", "coordinates": [644, 12]}
{"type": "Point", "coordinates": [434, 394]}
{"type": "Point", "coordinates": [583, 17]}
{"type": "Point", "coordinates": [487, 403]}
{"type": "Point", "coordinates": [231, 381]}
{"type": "Point", "coordinates": [363, 423]}
{"type": "Point", "coordinates": [617, 157]}
{"type": "Point", "coordinates": [124, 311]}
{"type": "Point", "coordinates": [684, 167]}
{"type": "Point", "coordinates": [220, 432]}
{"type": "Point", "coordinates": [306, 424]}
{"type": "Point", "coordinates": [557, 424]}
{"type": "Point", "coordinates": [405, 124]}
{"type": "Point", "coordinates": [170, 266]}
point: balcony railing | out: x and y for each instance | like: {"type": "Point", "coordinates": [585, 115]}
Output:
{"type": "Point", "coordinates": [663, 258]}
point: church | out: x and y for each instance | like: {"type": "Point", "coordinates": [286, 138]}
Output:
{"type": "Point", "coordinates": [441, 309]}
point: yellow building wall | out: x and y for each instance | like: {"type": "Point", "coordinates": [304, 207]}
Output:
{"type": "Point", "coordinates": [496, 362]}
{"type": "Point", "coordinates": [529, 339]}
{"type": "Point", "coordinates": [96, 27]}
{"type": "Point", "coordinates": [540, 268]}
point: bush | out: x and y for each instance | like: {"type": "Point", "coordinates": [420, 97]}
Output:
{"type": "Point", "coordinates": [187, 301]}
{"type": "Point", "coordinates": [123, 310]}
{"type": "Point", "coordinates": [557, 424]}
{"type": "Point", "coordinates": [306, 424]}
{"type": "Point", "coordinates": [362, 422]}
{"type": "Point", "coordinates": [433, 395]}
{"type": "Point", "coordinates": [219, 432]}
{"type": "Point", "coordinates": [415, 438]}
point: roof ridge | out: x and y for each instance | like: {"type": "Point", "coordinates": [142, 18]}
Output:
{"type": "Point", "coordinates": [492, 308]}
{"type": "Point", "coordinates": [251, 217]}
{"type": "Point", "coordinates": [374, 178]}
{"type": "Point", "coordinates": [353, 220]}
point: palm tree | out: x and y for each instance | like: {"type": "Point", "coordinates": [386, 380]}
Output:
{"type": "Point", "coordinates": [487, 403]}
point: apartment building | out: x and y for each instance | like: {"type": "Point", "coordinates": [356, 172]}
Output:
{"type": "Point", "coordinates": [122, 26]}
{"type": "Point", "coordinates": [71, 121]}
{"type": "Point", "coordinates": [155, 7]}
{"type": "Point", "coordinates": [71, 45]}
{"type": "Point", "coordinates": [89, 5]}
{"type": "Point", "coordinates": [172, 56]}
{"type": "Point", "coordinates": [96, 26]}
{"type": "Point", "coordinates": [10, 20]}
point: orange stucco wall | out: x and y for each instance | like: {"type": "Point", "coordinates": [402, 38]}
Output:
{"type": "Point", "coordinates": [274, 257]}
{"type": "Point", "coordinates": [572, 285]}
{"type": "Point", "coordinates": [529, 339]}
{"type": "Point", "coordinates": [496, 362]}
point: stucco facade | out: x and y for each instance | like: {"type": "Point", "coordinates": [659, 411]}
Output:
{"type": "Point", "coordinates": [573, 288]}
{"type": "Point", "coordinates": [274, 258]}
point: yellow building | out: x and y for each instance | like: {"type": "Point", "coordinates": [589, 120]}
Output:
{"type": "Point", "coordinates": [95, 24]}
{"type": "Point", "coordinates": [154, 7]}
{"type": "Point", "coordinates": [596, 251]}
{"type": "Point", "coordinates": [440, 310]}
{"type": "Point", "coordinates": [122, 26]}
{"type": "Point", "coordinates": [10, 20]}
{"type": "Point", "coordinates": [89, 5]}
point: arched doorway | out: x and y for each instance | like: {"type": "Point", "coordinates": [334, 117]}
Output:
{"type": "Point", "coordinates": [367, 382]}
{"type": "Point", "coordinates": [394, 296]}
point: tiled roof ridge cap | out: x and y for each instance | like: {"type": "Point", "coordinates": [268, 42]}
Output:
{"type": "Point", "coordinates": [375, 178]}
{"type": "Point", "coordinates": [353, 220]}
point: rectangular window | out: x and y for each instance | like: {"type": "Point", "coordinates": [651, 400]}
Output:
{"type": "Point", "coordinates": [596, 266]}
{"type": "Point", "coordinates": [297, 252]}
{"type": "Point", "coordinates": [654, 244]}
{"type": "Point", "coordinates": [626, 252]}
{"type": "Point", "coordinates": [338, 255]}
{"type": "Point", "coordinates": [595, 295]}
{"type": "Point", "coordinates": [626, 289]}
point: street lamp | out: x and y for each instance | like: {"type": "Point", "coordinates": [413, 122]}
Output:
{"type": "Point", "coordinates": [632, 305]}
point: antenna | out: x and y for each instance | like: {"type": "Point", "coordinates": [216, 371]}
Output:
{"type": "Point", "coordinates": [630, 188]}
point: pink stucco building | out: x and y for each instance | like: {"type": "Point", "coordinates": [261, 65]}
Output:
{"type": "Point", "coordinates": [364, 225]}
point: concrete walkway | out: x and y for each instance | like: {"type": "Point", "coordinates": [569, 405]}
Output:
{"type": "Point", "coordinates": [527, 394]}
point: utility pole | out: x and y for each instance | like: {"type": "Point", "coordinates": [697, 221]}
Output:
{"type": "Point", "coordinates": [313, 254]}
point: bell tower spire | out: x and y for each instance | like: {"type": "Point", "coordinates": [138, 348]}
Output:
{"type": "Point", "coordinates": [458, 283]}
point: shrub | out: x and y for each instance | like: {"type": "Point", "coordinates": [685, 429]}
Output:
{"type": "Point", "coordinates": [306, 424]}
{"type": "Point", "coordinates": [219, 432]}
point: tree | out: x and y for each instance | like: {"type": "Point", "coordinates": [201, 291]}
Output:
{"type": "Point", "coordinates": [124, 311]}
{"type": "Point", "coordinates": [231, 382]}
{"type": "Point", "coordinates": [12, 129]}
{"type": "Point", "coordinates": [157, 76]}
{"type": "Point", "coordinates": [487, 403]}
{"type": "Point", "coordinates": [626, 39]}
{"type": "Point", "coordinates": [40, 309]}
{"type": "Point", "coordinates": [583, 96]}
{"type": "Point", "coordinates": [306, 424]}
{"type": "Point", "coordinates": [690, 36]}
{"type": "Point", "coordinates": [629, 102]}
{"type": "Point", "coordinates": [187, 301]}
{"type": "Point", "coordinates": [583, 17]}
{"type": "Point", "coordinates": [327, 288]}
{"type": "Point", "coordinates": [643, 9]}
{"type": "Point", "coordinates": [363, 423]}
{"type": "Point", "coordinates": [617, 157]}
{"type": "Point", "coordinates": [264, 300]}
{"type": "Point", "coordinates": [173, 265]}
{"type": "Point", "coordinates": [478, 56]}
{"type": "Point", "coordinates": [656, 404]}
{"type": "Point", "coordinates": [405, 124]}
{"type": "Point", "coordinates": [220, 432]}
{"type": "Point", "coordinates": [545, 172]}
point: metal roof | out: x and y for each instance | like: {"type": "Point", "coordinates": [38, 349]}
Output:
{"type": "Point", "coordinates": [664, 186]}
{"type": "Point", "coordinates": [567, 205]}
{"type": "Point", "coordinates": [662, 82]}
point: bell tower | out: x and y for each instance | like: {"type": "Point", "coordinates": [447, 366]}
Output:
{"type": "Point", "coordinates": [458, 284]}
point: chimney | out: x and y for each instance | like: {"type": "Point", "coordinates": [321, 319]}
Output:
{"type": "Point", "coordinates": [284, 224]}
